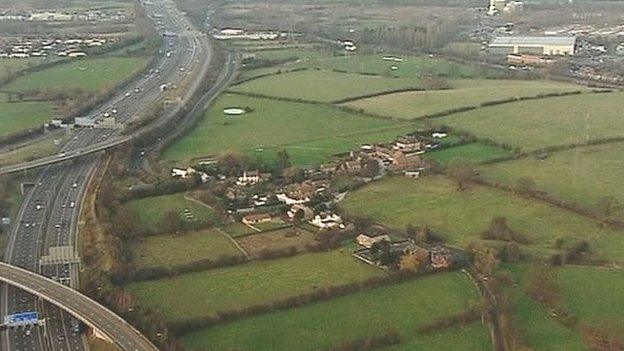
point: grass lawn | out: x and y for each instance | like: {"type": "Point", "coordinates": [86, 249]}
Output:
{"type": "Point", "coordinates": [402, 307]}
{"type": "Point", "coordinates": [95, 74]}
{"type": "Point", "coordinates": [581, 175]}
{"type": "Point", "coordinates": [463, 93]}
{"type": "Point", "coordinates": [536, 124]}
{"type": "Point", "coordinates": [460, 217]}
{"type": "Point", "coordinates": [473, 337]}
{"type": "Point", "coordinates": [18, 116]}
{"type": "Point", "coordinates": [310, 133]}
{"type": "Point", "coordinates": [474, 152]}
{"type": "Point", "coordinates": [168, 250]}
{"type": "Point", "coordinates": [323, 86]}
{"type": "Point", "coordinates": [151, 210]}
{"type": "Point", "coordinates": [205, 293]}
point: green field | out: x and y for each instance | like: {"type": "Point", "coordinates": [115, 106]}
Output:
{"type": "Point", "coordinates": [594, 295]}
{"type": "Point", "coordinates": [151, 210]}
{"type": "Point", "coordinates": [15, 65]}
{"type": "Point", "coordinates": [94, 74]}
{"type": "Point", "coordinates": [44, 147]}
{"type": "Point", "coordinates": [310, 133]}
{"type": "Point", "coordinates": [580, 175]}
{"type": "Point", "coordinates": [168, 250]}
{"type": "Point", "coordinates": [473, 152]}
{"type": "Point", "coordinates": [537, 328]}
{"type": "Point", "coordinates": [463, 93]}
{"type": "Point", "coordinates": [473, 337]}
{"type": "Point", "coordinates": [411, 67]}
{"type": "Point", "coordinates": [205, 293]}
{"type": "Point", "coordinates": [301, 54]}
{"type": "Point", "coordinates": [460, 217]}
{"type": "Point", "coordinates": [536, 124]}
{"type": "Point", "coordinates": [17, 116]}
{"type": "Point", "coordinates": [323, 86]}
{"type": "Point", "coordinates": [401, 307]}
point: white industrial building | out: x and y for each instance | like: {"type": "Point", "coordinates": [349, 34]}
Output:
{"type": "Point", "coordinates": [552, 46]}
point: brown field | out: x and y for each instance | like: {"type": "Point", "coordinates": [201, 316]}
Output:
{"type": "Point", "coordinates": [275, 240]}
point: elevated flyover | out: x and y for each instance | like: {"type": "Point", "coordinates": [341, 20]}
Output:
{"type": "Point", "coordinates": [96, 316]}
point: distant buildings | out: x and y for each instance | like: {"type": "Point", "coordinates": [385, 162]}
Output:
{"type": "Point", "coordinates": [551, 46]}
{"type": "Point", "coordinates": [504, 6]}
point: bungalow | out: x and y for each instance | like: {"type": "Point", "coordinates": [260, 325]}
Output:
{"type": "Point", "coordinates": [256, 218]}
{"type": "Point", "coordinates": [439, 135]}
{"type": "Point", "coordinates": [327, 221]}
{"type": "Point", "coordinates": [367, 241]}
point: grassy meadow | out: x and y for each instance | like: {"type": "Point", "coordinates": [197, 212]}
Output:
{"type": "Point", "coordinates": [461, 216]}
{"type": "Point", "coordinates": [473, 152]}
{"type": "Point", "coordinates": [205, 293]}
{"type": "Point", "coordinates": [401, 307]}
{"type": "Point", "coordinates": [94, 74]}
{"type": "Point", "coordinates": [310, 133]}
{"type": "Point", "coordinates": [169, 250]}
{"type": "Point", "coordinates": [536, 124]}
{"type": "Point", "coordinates": [462, 93]}
{"type": "Point", "coordinates": [582, 175]}
{"type": "Point", "coordinates": [323, 86]}
{"type": "Point", "coordinates": [151, 210]}
{"type": "Point", "coordinates": [17, 116]}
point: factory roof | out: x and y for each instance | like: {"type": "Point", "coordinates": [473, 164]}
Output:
{"type": "Point", "coordinates": [533, 41]}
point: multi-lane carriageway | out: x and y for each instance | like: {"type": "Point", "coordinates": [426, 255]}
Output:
{"type": "Point", "coordinates": [49, 211]}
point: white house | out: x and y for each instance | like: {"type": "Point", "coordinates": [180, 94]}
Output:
{"type": "Point", "coordinates": [249, 178]}
{"type": "Point", "coordinates": [327, 221]}
{"type": "Point", "coordinates": [290, 201]}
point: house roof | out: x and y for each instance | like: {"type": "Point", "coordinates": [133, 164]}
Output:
{"type": "Point", "coordinates": [502, 41]}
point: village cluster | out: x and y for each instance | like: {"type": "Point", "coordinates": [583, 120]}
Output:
{"type": "Point", "coordinates": [258, 199]}
{"type": "Point", "coordinates": [63, 16]}
{"type": "Point", "coordinates": [44, 47]}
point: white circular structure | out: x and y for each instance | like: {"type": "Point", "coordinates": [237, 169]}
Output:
{"type": "Point", "coordinates": [233, 111]}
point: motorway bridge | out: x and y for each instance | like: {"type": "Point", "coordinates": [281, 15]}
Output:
{"type": "Point", "coordinates": [96, 316]}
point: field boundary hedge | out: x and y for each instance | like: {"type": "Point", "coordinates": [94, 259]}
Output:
{"type": "Point", "coordinates": [321, 294]}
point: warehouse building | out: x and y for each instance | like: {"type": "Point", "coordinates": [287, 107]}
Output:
{"type": "Point", "coordinates": [533, 45]}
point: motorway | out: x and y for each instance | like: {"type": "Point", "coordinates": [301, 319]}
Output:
{"type": "Point", "coordinates": [49, 212]}
{"type": "Point", "coordinates": [92, 313]}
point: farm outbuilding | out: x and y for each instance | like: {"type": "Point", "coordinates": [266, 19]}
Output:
{"type": "Point", "coordinates": [533, 45]}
